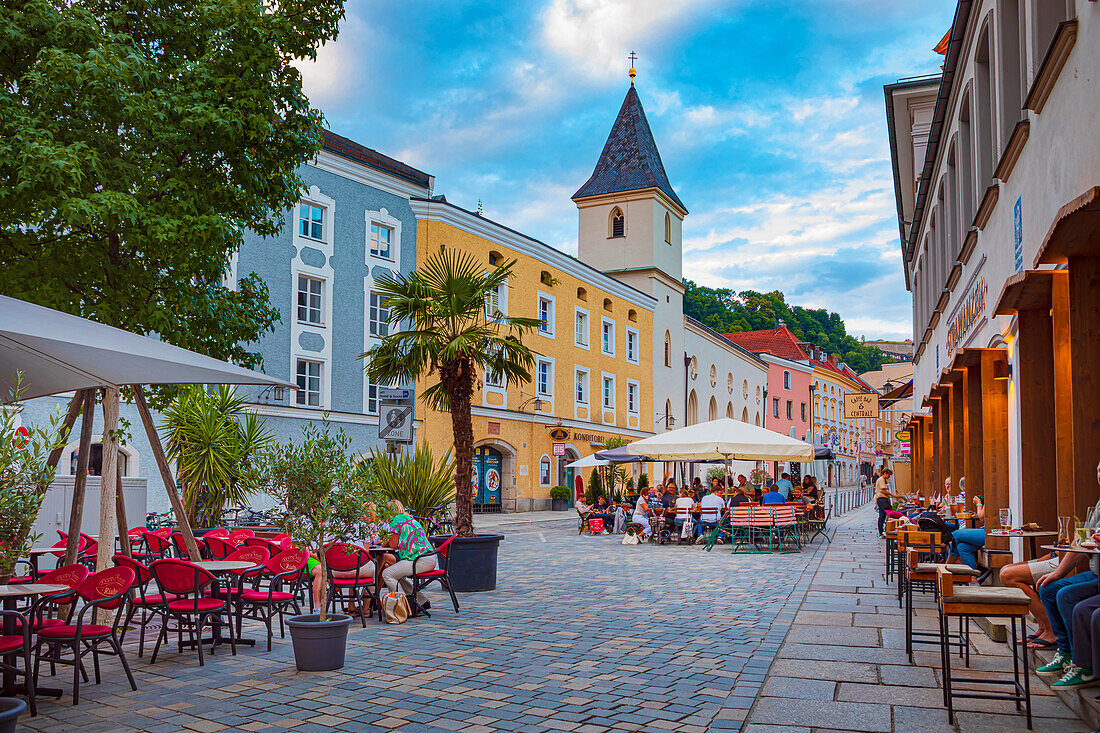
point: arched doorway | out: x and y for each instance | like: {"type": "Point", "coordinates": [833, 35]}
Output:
{"type": "Point", "coordinates": [488, 479]}
{"type": "Point", "coordinates": [566, 475]}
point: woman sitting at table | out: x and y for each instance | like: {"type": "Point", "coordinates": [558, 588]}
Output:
{"type": "Point", "coordinates": [411, 542]}
{"type": "Point", "coordinates": [641, 512]}
{"type": "Point", "coordinates": [967, 542]}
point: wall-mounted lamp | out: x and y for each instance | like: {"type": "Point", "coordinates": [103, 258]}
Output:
{"type": "Point", "coordinates": [279, 393]}
{"type": "Point", "coordinates": [1002, 369]}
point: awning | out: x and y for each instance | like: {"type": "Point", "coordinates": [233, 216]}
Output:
{"type": "Point", "coordinates": [722, 439]}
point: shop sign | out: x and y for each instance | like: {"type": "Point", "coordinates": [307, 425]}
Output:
{"type": "Point", "coordinates": [590, 437]}
{"type": "Point", "coordinates": [559, 449]}
{"type": "Point", "coordinates": [559, 434]}
{"type": "Point", "coordinates": [1018, 233]}
{"type": "Point", "coordinates": [903, 435]}
{"type": "Point", "coordinates": [968, 314]}
{"type": "Point", "coordinates": [860, 405]}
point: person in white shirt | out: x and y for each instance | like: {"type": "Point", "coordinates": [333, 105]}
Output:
{"type": "Point", "coordinates": [685, 505]}
{"type": "Point", "coordinates": [712, 507]}
{"type": "Point", "coordinates": [641, 512]}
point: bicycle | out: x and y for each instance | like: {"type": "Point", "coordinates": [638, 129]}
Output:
{"type": "Point", "coordinates": [436, 521]}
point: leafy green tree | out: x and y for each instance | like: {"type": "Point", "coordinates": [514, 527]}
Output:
{"type": "Point", "coordinates": [454, 332]}
{"type": "Point", "coordinates": [138, 142]}
{"type": "Point", "coordinates": [595, 487]}
{"type": "Point", "coordinates": [213, 442]}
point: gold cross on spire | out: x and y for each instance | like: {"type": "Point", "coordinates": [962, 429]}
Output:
{"type": "Point", "coordinates": [633, 71]}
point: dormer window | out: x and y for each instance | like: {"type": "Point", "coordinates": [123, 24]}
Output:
{"type": "Point", "coordinates": [617, 224]}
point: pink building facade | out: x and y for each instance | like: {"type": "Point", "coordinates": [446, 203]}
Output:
{"type": "Point", "coordinates": [788, 403]}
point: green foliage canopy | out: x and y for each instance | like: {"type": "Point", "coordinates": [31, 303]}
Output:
{"type": "Point", "coordinates": [727, 311]}
{"type": "Point", "coordinates": [138, 141]}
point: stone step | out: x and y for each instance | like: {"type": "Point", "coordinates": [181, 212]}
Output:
{"type": "Point", "coordinates": [1081, 701]}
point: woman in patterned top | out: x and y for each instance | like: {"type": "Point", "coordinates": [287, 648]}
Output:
{"type": "Point", "coordinates": [410, 541]}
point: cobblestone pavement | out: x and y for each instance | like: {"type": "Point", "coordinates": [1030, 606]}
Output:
{"type": "Point", "coordinates": [583, 634]}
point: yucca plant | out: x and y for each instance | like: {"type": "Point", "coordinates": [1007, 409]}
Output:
{"type": "Point", "coordinates": [212, 441]}
{"type": "Point", "coordinates": [455, 330]}
{"type": "Point", "coordinates": [414, 478]}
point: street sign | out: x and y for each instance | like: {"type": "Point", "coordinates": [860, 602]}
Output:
{"type": "Point", "coordinates": [392, 393]}
{"type": "Point", "coordinates": [559, 434]}
{"type": "Point", "coordinates": [559, 449]}
{"type": "Point", "coordinates": [905, 448]}
{"type": "Point", "coordinates": [860, 405]}
{"type": "Point", "coordinates": [396, 423]}
{"type": "Point", "coordinates": [903, 436]}
{"type": "Point", "coordinates": [21, 438]}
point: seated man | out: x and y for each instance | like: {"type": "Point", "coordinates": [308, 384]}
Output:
{"type": "Point", "coordinates": [784, 485]}
{"type": "Point", "coordinates": [602, 510]}
{"type": "Point", "coordinates": [737, 496]}
{"type": "Point", "coordinates": [711, 509]}
{"type": "Point", "coordinates": [774, 496]}
{"type": "Point", "coordinates": [668, 499]}
{"type": "Point", "coordinates": [1085, 640]}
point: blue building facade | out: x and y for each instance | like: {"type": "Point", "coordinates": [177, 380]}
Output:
{"type": "Point", "coordinates": [352, 225]}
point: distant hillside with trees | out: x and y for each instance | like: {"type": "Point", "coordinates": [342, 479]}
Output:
{"type": "Point", "coordinates": [727, 311]}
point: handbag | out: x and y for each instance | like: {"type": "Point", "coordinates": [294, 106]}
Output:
{"type": "Point", "coordinates": [630, 538]}
{"type": "Point", "coordinates": [396, 607]}
{"type": "Point", "coordinates": [687, 530]}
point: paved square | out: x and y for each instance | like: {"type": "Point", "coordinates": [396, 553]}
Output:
{"type": "Point", "coordinates": [587, 635]}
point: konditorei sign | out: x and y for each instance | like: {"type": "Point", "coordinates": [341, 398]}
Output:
{"type": "Point", "coordinates": [969, 312]}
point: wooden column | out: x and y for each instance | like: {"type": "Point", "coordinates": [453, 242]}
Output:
{"type": "Point", "coordinates": [958, 430]}
{"type": "Point", "coordinates": [1063, 392]}
{"type": "Point", "coordinates": [108, 479]}
{"type": "Point", "coordinates": [926, 456]}
{"type": "Point", "coordinates": [937, 447]}
{"type": "Point", "coordinates": [1084, 337]}
{"type": "Point", "coordinates": [1038, 444]}
{"type": "Point", "coordinates": [945, 442]}
{"type": "Point", "coordinates": [995, 440]}
{"type": "Point", "coordinates": [914, 456]}
{"type": "Point", "coordinates": [84, 450]}
{"type": "Point", "coordinates": [975, 446]}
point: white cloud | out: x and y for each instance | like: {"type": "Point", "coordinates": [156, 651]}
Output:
{"type": "Point", "coordinates": [597, 35]}
{"type": "Point", "coordinates": [335, 75]}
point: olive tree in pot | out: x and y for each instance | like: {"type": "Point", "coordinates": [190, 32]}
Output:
{"type": "Point", "coordinates": [322, 497]}
{"type": "Point", "coordinates": [447, 324]}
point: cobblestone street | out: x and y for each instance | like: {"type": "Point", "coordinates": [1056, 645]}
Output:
{"type": "Point", "coordinates": [587, 635]}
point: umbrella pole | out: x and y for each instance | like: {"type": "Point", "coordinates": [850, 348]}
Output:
{"type": "Point", "coordinates": [84, 449]}
{"type": "Point", "coordinates": [108, 480]}
{"type": "Point", "coordinates": [165, 472]}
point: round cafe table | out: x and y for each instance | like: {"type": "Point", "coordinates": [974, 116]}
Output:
{"type": "Point", "coordinates": [219, 568]}
{"type": "Point", "coordinates": [1031, 537]}
{"type": "Point", "coordinates": [11, 594]}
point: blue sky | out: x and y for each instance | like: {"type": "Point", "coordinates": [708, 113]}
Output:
{"type": "Point", "coordinates": [769, 117]}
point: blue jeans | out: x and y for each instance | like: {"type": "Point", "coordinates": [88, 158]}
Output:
{"type": "Point", "coordinates": [967, 543]}
{"type": "Point", "coordinates": [1059, 597]}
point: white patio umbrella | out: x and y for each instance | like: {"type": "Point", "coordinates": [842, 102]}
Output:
{"type": "Point", "coordinates": [722, 440]}
{"type": "Point", "coordinates": [588, 462]}
{"type": "Point", "coordinates": [58, 352]}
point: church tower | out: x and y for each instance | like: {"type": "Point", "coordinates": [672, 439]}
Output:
{"type": "Point", "coordinates": [631, 224]}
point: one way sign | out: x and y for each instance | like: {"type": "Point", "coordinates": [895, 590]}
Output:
{"type": "Point", "coordinates": [396, 423]}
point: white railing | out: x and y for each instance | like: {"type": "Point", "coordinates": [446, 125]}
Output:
{"type": "Point", "coordinates": [841, 501]}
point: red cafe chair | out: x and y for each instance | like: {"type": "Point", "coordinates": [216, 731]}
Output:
{"type": "Point", "coordinates": [265, 604]}
{"type": "Point", "coordinates": [191, 609]}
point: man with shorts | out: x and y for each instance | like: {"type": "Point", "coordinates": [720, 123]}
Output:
{"type": "Point", "coordinates": [1025, 576]}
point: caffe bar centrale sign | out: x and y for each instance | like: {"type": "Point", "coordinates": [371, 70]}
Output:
{"type": "Point", "coordinates": [967, 314]}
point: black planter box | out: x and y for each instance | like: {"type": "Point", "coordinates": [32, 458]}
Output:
{"type": "Point", "coordinates": [473, 562]}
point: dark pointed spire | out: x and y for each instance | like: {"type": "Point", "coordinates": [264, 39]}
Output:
{"type": "Point", "coordinates": [630, 160]}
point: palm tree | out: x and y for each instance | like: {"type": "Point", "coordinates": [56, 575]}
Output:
{"type": "Point", "coordinates": [455, 329]}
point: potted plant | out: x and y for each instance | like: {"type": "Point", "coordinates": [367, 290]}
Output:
{"type": "Point", "coordinates": [322, 496]}
{"type": "Point", "coordinates": [559, 498]}
{"type": "Point", "coordinates": [453, 332]}
{"type": "Point", "coordinates": [25, 475]}
{"type": "Point", "coordinates": [759, 476]}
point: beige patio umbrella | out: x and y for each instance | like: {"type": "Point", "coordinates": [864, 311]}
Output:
{"type": "Point", "coordinates": [58, 352]}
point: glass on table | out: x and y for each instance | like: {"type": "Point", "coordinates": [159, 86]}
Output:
{"type": "Point", "coordinates": [1065, 530]}
{"type": "Point", "coordinates": [1006, 519]}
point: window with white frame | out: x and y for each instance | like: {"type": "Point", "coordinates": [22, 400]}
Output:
{"type": "Point", "coordinates": [381, 241]}
{"type": "Point", "coordinates": [632, 397]}
{"type": "Point", "coordinates": [309, 383]}
{"type": "Point", "coordinates": [608, 392]}
{"type": "Point", "coordinates": [580, 380]}
{"type": "Point", "coordinates": [544, 471]}
{"type": "Point", "coordinates": [786, 380]}
{"type": "Point", "coordinates": [372, 398]}
{"type": "Point", "coordinates": [496, 303]}
{"type": "Point", "coordinates": [310, 294]}
{"type": "Point", "coordinates": [580, 328]}
{"type": "Point", "coordinates": [493, 379]}
{"type": "Point", "coordinates": [607, 336]}
{"type": "Point", "coordinates": [311, 221]}
{"type": "Point", "coordinates": [632, 345]}
{"type": "Point", "coordinates": [378, 316]}
{"type": "Point", "coordinates": [546, 315]}
{"type": "Point", "coordinates": [544, 377]}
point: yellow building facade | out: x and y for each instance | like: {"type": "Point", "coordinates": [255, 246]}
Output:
{"type": "Point", "coordinates": [830, 425]}
{"type": "Point", "coordinates": [593, 376]}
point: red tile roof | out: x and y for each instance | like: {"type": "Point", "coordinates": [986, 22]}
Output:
{"type": "Point", "coordinates": [775, 341]}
